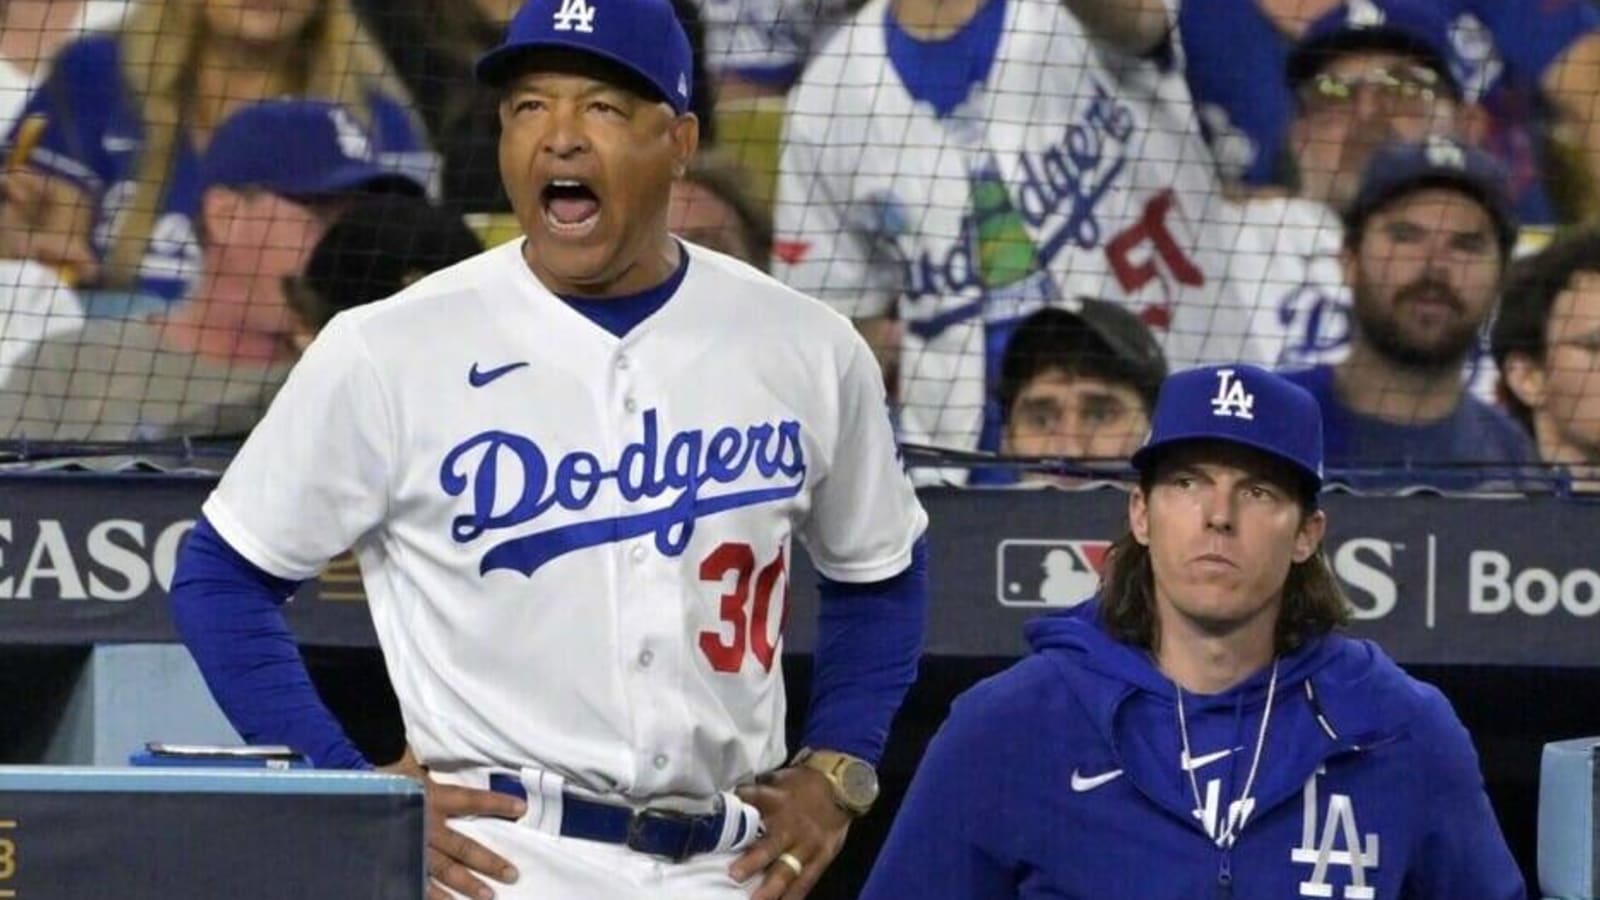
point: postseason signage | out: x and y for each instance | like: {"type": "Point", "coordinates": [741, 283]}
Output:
{"type": "Point", "coordinates": [89, 559]}
{"type": "Point", "coordinates": [1436, 580]}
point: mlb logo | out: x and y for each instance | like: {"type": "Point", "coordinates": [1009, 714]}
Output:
{"type": "Point", "coordinates": [1048, 573]}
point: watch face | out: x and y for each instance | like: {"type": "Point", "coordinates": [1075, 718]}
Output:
{"type": "Point", "coordinates": [860, 783]}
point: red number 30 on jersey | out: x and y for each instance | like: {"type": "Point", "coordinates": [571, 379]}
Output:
{"type": "Point", "coordinates": [746, 613]}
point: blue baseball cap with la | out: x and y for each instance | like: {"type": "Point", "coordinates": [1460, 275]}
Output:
{"type": "Point", "coordinates": [299, 148]}
{"type": "Point", "coordinates": [1401, 168]}
{"type": "Point", "coordinates": [1418, 28]}
{"type": "Point", "coordinates": [644, 37]}
{"type": "Point", "coordinates": [1238, 404]}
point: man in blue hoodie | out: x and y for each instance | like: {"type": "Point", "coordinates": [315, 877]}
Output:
{"type": "Point", "coordinates": [1199, 730]}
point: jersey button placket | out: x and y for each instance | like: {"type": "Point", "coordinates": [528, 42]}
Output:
{"type": "Point", "coordinates": [643, 632]}
{"type": "Point", "coordinates": [622, 363]}
{"type": "Point", "coordinates": [648, 627]}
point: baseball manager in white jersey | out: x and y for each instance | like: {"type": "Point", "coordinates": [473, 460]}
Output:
{"type": "Point", "coordinates": [571, 469]}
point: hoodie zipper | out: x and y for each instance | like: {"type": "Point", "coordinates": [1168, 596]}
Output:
{"type": "Point", "coordinates": [1225, 875]}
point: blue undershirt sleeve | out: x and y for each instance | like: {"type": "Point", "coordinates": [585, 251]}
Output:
{"type": "Point", "coordinates": [869, 639]}
{"type": "Point", "coordinates": [228, 613]}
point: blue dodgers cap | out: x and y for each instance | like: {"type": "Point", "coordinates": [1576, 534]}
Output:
{"type": "Point", "coordinates": [299, 148]}
{"type": "Point", "coordinates": [1413, 27]}
{"type": "Point", "coordinates": [1239, 404]}
{"type": "Point", "coordinates": [642, 36]}
{"type": "Point", "coordinates": [1398, 169]}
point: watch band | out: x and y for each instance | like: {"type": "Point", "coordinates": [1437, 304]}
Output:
{"type": "Point", "coordinates": [854, 780]}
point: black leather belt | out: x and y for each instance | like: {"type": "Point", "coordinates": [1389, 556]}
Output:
{"type": "Point", "coordinates": [666, 833]}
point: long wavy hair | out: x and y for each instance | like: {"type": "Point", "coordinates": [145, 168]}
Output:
{"type": "Point", "coordinates": [161, 41]}
{"type": "Point", "coordinates": [1313, 602]}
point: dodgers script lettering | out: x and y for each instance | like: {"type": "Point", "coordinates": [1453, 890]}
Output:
{"type": "Point", "coordinates": [682, 466]}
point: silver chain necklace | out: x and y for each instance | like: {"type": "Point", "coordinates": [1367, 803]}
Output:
{"type": "Point", "coordinates": [1226, 837]}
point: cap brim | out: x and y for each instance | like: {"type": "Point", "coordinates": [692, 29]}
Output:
{"type": "Point", "coordinates": [361, 178]}
{"type": "Point", "coordinates": [1498, 207]}
{"type": "Point", "coordinates": [1147, 455]}
{"type": "Point", "coordinates": [1308, 58]}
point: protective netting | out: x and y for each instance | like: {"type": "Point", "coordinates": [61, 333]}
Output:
{"type": "Point", "coordinates": [1033, 208]}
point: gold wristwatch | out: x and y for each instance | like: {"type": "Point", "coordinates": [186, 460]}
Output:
{"type": "Point", "coordinates": [854, 781]}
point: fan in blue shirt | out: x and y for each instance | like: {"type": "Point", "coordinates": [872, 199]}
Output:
{"type": "Point", "coordinates": [1525, 62]}
{"type": "Point", "coordinates": [1546, 340]}
{"type": "Point", "coordinates": [1199, 729]}
{"type": "Point", "coordinates": [1426, 245]}
{"type": "Point", "coordinates": [112, 140]}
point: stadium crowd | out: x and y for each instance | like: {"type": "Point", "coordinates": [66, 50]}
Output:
{"type": "Point", "coordinates": [1225, 176]}
{"type": "Point", "coordinates": [942, 171]}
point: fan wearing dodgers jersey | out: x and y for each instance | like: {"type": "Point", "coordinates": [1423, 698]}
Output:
{"type": "Point", "coordinates": [571, 469]}
{"type": "Point", "coordinates": [949, 168]}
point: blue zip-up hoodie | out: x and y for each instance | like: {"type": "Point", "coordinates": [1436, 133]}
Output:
{"type": "Point", "coordinates": [1060, 777]}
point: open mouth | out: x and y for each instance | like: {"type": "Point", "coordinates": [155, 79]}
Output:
{"type": "Point", "coordinates": [570, 206]}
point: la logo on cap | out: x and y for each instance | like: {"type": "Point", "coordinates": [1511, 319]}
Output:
{"type": "Point", "coordinates": [575, 15]}
{"type": "Point", "coordinates": [1232, 400]}
{"type": "Point", "coordinates": [1446, 154]}
{"type": "Point", "coordinates": [353, 141]}
{"type": "Point", "coordinates": [1364, 14]}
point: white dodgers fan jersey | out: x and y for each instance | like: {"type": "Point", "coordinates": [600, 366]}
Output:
{"type": "Point", "coordinates": [1073, 170]}
{"type": "Point", "coordinates": [576, 546]}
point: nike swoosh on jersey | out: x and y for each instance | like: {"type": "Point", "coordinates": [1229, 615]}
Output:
{"type": "Point", "coordinates": [478, 378]}
{"type": "Point", "coordinates": [1191, 763]}
{"type": "Point", "coordinates": [1082, 783]}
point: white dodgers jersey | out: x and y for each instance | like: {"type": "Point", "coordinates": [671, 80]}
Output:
{"type": "Point", "coordinates": [576, 546]}
{"type": "Point", "coordinates": [1072, 170]}
{"type": "Point", "coordinates": [1298, 290]}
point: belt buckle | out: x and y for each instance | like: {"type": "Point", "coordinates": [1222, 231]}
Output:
{"type": "Point", "coordinates": [643, 818]}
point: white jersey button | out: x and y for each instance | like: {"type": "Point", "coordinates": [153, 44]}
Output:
{"type": "Point", "coordinates": [629, 404]}
{"type": "Point", "coordinates": [638, 553]}
{"type": "Point", "coordinates": [646, 658]}
{"type": "Point", "coordinates": [660, 762]}
{"type": "Point", "coordinates": [622, 361]}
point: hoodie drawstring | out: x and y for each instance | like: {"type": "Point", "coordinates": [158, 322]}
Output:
{"type": "Point", "coordinates": [1227, 826]}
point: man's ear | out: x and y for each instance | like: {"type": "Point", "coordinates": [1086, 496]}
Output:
{"type": "Point", "coordinates": [1139, 516]}
{"type": "Point", "coordinates": [685, 141]}
{"type": "Point", "coordinates": [1312, 530]}
{"type": "Point", "coordinates": [1525, 378]}
{"type": "Point", "coordinates": [218, 208]}
{"type": "Point", "coordinates": [1297, 135]}
{"type": "Point", "coordinates": [1472, 124]}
